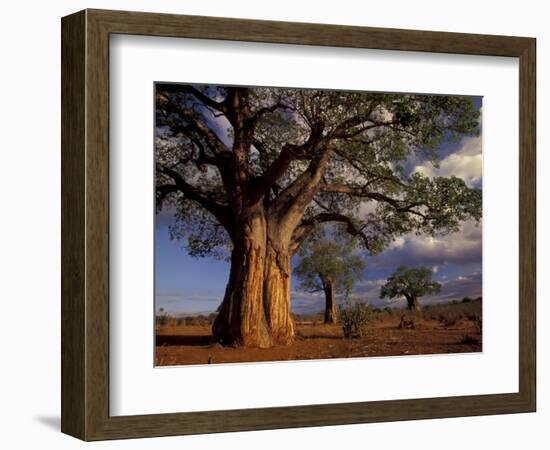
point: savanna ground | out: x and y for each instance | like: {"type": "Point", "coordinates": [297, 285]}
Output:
{"type": "Point", "coordinates": [445, 328]}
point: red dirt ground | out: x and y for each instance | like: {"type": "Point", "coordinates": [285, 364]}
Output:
{"type": "Point", "coordinates": [192, 344]}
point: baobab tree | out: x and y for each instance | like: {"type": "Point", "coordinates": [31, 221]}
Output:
{"type": "Point", "coordinates": [411, 283]}
{"type": "Point", "coordinates": [330, 267]}
{"type": "Point", "coordinates": [252, 171]}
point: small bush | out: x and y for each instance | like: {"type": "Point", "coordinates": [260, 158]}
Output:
{"type": "Point", "coordinates": [354, 318]}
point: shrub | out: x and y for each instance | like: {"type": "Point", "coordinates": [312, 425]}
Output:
{"type": "Point", "coordinates": [354, 318]}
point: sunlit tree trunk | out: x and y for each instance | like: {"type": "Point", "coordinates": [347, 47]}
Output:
{"type": "Point", "coordinates": [277, 295]}
{"type": "Point", "coordinates": [241, 318]}
{"type": "Point", "coordinates": [255, 311]}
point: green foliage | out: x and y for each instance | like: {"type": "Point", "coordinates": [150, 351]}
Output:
{"type": "Point", "coordinates": [410, 283]}
{"type": "Point", "coordinates": [326, 261]}
{"type": "Point", "coordinates": [371, 136]}
{"type": "Point", "coordinates": [354, 318]}
{"type": "Point", "coordinates": [205, 235]}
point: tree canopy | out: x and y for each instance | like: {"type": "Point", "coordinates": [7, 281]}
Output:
{"type": "Point", "coordinates": [411, 283]}
{"type": "Point", "coordinates": [329, 262]}
{"type": "Point", "coordinates": [336, 156]}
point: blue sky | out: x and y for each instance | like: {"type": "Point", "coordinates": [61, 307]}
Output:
{"type": "Point", "coordinates": [189, 285]}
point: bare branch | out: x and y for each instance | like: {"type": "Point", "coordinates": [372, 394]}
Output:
{"type": "Point", "coordinates": [398, 205]}
{"type": "Point", "coordinates": [308, 225]}
{"type": "Point", "coordinates": [221, 212]}
{"type": "Point", "coordinates": [189, 89]}
{"type": "Point", "coordinates": [272, 108]}
{"type": "Point", "coordinates": [289, 153]}
{"type": "Point", "coordinates": [194, 123]}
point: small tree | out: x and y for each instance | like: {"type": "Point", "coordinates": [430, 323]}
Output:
{"type": "Point", "coordinates": [411, 283]}
{"type": "Point", "coordinates": [330, 267]}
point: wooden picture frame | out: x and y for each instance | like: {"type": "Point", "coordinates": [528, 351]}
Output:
{"type": "Point", "coordinates": [85, 224]}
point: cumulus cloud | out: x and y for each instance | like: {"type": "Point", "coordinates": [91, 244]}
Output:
{"type": "Point", "coordinates": [460, 287]}
{"type": "Point", "coordinates": [369, 290]}
{"type": "Point", "coordinates": [465, 163]}
{"type": "Point", "coordinates": [462, 247]}
{"type": "Point", "coordinates": [455, 261]}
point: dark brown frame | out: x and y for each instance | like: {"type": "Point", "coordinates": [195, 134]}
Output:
{"type": "Point", "coordinates": [85, 224]}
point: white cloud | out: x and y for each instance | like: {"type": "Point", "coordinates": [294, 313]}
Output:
{"type": "Point", "coordinates": [465, 163]}
{"type": "Point", "coordinates": [398, 242]}
{"type": "Point", "coordinates": [464, 285]}
{"type": "Point", "coordinates": [462, 247]}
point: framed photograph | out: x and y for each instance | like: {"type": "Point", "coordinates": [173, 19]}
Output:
{"type": "Point", "coordinates": [273, 225]}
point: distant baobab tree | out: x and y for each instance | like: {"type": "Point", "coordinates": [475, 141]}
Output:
{"type": "Point", "coordinates": [411, 283]}
{"type": "Point", "coordinates": [253, 171]}
{"type": "Point", "coordinates": [330, 267]}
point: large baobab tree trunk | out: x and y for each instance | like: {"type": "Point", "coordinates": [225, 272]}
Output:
{"type": "Point", "coordinates": [255, 311]}
{"type": "Point", "coordinates": [331, 310]}
{"type": "Point", "coordinates": [241, 317]}
{"type": "Point", "coordinates": [256, 308]}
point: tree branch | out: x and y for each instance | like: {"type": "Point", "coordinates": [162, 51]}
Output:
{"type": "Point", "coordinates": [272, 108]}
{"type": "Point", "coordinates": [289, 153]}
{"type": "Point", "coordinates": [221, 212]}
{"type": "Point", "coordinates": [194, 123]}
{"type": "Point", "coordinates": [308, 225]}
{"type": "Point", "coordinates": [398, 205]}
{"type": "Point", "coordinates": [189, 89]}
